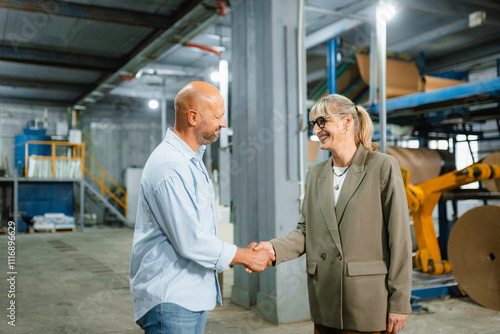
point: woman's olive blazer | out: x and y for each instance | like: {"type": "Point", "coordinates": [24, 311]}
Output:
{"type": "Point", "coordinates": [358, 253]}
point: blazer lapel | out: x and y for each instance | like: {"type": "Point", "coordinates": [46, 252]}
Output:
{"type": "Point", "coordinates": [327, 206]}
{"type": "Point", "coordinates": [352, 181]}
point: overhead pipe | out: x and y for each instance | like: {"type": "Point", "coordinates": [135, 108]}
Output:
{"type": "Point", "coordinates": [222, 7]}
{"type": "Point", "coordinates": [127, 76]}
{"type": "Point", "coordinates": [204, 47]}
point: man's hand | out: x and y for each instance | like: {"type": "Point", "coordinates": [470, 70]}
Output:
{"type": "Point", "coordinates": [259, 260]}
{"type": "Point", "coordinates": [395, 322]}
{"type": "Point", "coordinates": [263, 246]}
{"type": "Point", "coordinates": [253, 260]}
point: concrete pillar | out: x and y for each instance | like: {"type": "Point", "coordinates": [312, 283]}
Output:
{"type": "Point", "coordinates": [265, 164]}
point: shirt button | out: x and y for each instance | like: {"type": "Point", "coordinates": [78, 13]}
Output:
{"type": "Point", "coordinates": [339, 257]}
{"type": "Point", "coordinates": [323, 256]}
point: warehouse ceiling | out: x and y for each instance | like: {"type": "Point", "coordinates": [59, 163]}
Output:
{"type": "Point", "coordinates": [77, 52]}
{"type": "Point", "coordinates": [80, 53]}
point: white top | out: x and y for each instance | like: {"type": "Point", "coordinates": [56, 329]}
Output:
{"type": "Point", "coordinates": [338, 181]}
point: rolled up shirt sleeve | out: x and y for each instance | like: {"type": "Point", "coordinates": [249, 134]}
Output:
{"type": "Point", "coordinates": [191, 233]}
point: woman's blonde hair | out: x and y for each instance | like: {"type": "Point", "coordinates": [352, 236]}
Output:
{"type": "Point", "coordinates": [335, 104]}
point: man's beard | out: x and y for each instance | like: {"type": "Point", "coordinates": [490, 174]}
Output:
{"type": "Point", "coordinates": [209, 137]}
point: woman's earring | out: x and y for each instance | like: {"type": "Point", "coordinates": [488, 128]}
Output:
{"type": "Point", "coordinates": [344, 131]}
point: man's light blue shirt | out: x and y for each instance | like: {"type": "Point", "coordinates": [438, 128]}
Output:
{"type": "Point", "coordinates": [176, 252]}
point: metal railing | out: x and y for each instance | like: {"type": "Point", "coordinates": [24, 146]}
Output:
{"type": "Point", "coordinates": [103, 176]}
{"type": "Point", "coordinates": [78, 153]}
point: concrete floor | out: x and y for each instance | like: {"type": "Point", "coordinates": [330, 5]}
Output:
{"type": "Point", "coordinates": [78, 283]}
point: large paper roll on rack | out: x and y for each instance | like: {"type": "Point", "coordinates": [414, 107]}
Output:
{"type": "Point", "coordinates": [423, 163]}
{"type": "Point", "coordinates": [492, 159]}
{"type": "Point", "coordinates": [474, 254]}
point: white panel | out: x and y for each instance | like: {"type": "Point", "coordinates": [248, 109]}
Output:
{"type": "Point", "coordinates": [133, 185]}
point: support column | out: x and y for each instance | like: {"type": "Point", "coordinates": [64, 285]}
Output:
{"type": "Point", "coordinates": [243, 152]}
{"type": "Point", "coordinates": [331, 65]}
{"type": "Point", "coordinates": [163, 111]}
{"type": "Point", "coordinates": [266, 169]}
{"type": "Point", "coordinates": [82, 205]}
{"type": "Point", "coordinates": [382, 57]}
{"type": "Point", "coordinates": [373, 66]}
{"type": "Point", "coordinates": [224, 150]}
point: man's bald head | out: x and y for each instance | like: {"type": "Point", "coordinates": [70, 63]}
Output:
{"type": "Point", "coordinates": [199, 114]}
{"type": "Point", "coordinates": [192, 95]}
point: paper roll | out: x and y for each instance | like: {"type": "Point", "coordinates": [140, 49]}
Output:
{"type": "Point", "coordinates": [474, 254]}
{"type": "Point", "coordinates": [423, 163]}
{"type": "Point", "coordinates": [492, 159]}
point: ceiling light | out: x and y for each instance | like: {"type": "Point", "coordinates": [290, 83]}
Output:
{"type": "Point", "coordinates": [153, 104]}
{"type": "Point", "coordinates": [215, 76]}
{"type": "Point", "coordinates": [386, 10]}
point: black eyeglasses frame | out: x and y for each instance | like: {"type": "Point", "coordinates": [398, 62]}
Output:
{"type": "Point", "coordinates": [321, 124]}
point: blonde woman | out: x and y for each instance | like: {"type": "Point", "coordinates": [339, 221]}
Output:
{"type": "Point", "coordinates": [354, 228]}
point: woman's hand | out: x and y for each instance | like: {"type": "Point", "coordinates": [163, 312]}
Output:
{"type": "Point", "coordinates": [395, 322]}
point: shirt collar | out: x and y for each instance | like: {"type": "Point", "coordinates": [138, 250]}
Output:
{"type": "Point", "coordinates": [173, 139]}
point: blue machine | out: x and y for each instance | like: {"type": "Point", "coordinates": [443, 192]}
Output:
{"type": "Point", "coordinates": [37, 198]}
{"type": "Point", "coordinates": [20, 150]}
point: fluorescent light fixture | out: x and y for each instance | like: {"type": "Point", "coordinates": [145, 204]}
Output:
{"type": "Point", "coordinates": [153, 104]}
{"type": "Point", "coordinates": [215, 76]}
{"type": "Point", "coordinates": [386, 10]}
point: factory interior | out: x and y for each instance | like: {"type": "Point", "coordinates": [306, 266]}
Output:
{"type": "Point", "coordinates": [87, 93]}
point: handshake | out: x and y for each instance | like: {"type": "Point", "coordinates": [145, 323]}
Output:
{"type": "Point", "coordinates": [256, 257]}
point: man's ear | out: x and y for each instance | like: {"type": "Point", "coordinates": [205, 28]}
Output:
{"type": "Point", "coordinates": [193, 117]}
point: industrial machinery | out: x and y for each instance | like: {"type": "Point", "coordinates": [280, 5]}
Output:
{"type": "Point", "coordinates": [473, 245]}
{"type": "Point", "coordinates": [423, 198]}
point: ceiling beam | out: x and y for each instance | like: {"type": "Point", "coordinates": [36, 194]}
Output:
{"type": "Point", "coordinates": [35, 102]}
{"type": "Point", "coordinates": [428, 36]}
{"type": "Point", "coordinates": [322, 11]}
{"type": "Point", "coordinates": [456, 9]}
{"type": "Point", "coordinates": [477, 56]}
{"type": "Point", "coordinates": [483, 4]}
{"type": "Point", "coordinates": [58, 59]}
{"type": "Point", "coordinates": [316, 75]}
{"type": "Point", "coordinates": [89, 12]}
{"type": "Point", "coordinates": [144, 93]}
{"type": "Point", "coordinates": [10, 82]}
{"type": "Point", "coordinates": [337, 28]}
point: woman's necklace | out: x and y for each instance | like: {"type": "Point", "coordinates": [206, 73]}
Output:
{"type": "Point", "coordinates": [336, 187]}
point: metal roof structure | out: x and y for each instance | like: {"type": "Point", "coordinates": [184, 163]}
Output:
{"type": "Point", "coordinates": [77, 52]}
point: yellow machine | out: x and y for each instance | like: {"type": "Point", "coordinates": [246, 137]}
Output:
{"type": "Point", "coordinates": [423, 198]}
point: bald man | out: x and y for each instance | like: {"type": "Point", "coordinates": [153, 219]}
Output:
{"type": "Point", "coordinates": [176, 253]}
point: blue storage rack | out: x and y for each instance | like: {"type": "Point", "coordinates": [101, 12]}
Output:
{"type": "Point", "coordinates": [445, 103]}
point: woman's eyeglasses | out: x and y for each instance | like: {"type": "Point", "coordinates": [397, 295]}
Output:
{"type": "Point", "coordinates": [321, 121]}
